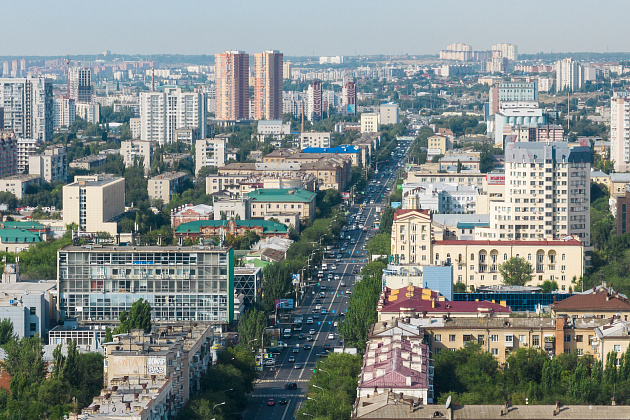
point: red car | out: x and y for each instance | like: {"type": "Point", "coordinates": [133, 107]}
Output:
{"type": "Point", "coordinates": [271, 402]}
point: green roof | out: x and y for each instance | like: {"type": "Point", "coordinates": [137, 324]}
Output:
{"type": "Point", "coordinates": [18, 236]}
{"type": "Point", "coordinates": [281, 194]}
{"type": "Point", "coordinates": [260, 263]}
{"type": "Point", "coordinates": [22, 225]}
{"type": "Point", "coordinates": [268, 226]}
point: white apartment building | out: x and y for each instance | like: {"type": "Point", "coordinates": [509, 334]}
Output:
{"type": "Point", "coordinates": [163, 186]}
{"type": "Point", "coordinates": [569, 75]}
{"type": "Point", "coordinates": [275, 129]}
{"type": "Point", "coordinates": [26, 148]}
{"type": "Point", "coordinates": [370, 123]}
{"type": "Point", "coordinates": [547, 193]}
{"type": "Point", "coordinates": [518, 91]}
{"type": "Point", "coordinates": [313, 139]}
{"type": "Point", "coordinates": [135, 126]}
{"type": "Point", "coordinates": [18, 184]}
{"type": "Point", "coordinates": [93, 202]}
{"type": "Point", "coordinates": [162, 113]}
{"type": "Point", "coordinates": [210, 152]}
{"type": "Point", "coordinates": [51, 166]}
{"type": "Point", "coordinates": [133, 150]}
{"type": "Point", "coordinates": [506, 50]}
{"type": "Point", "coordinates": [388, 113]}
{"type": "Point", "coordinates": [81, 89]}
{"type": "Point", "coordinates": [440, 197]}
{"type": "Point", "coordinates": [63, 112]}
{"type": "Point", "coordinates": [90, 112]}
{"type": "Point", "coordinates": [28, 107]}
{"type": "Point", "coordinates": [620, 131]}
{"type": "Point", "coordinates": [314, 101]}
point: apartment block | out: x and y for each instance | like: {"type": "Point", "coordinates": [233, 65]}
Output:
{"type": "Point", "coordinates": [232, 85]}
{"type": "Point", "coordinates": [268, 85]}
{"type": "Point", "coordinates": [349, 98]}
{"type": "Point", "coordinates": [163, 113]}
{"type": "Point", "coordinates": [81, 89]}
{"type": "Point", "coordinates": [620, 131]}
{"type": "Point", "coordinates": [266, 200]}
{"type": "Point", "coordinates": [19, 184]}
{"type": "Point", "coordinates": [93, 202]}
{"type": "Point", "coordinates": [274, 129]}
{"type": "Point", "coordinates": [210, 152]}
{"type": "Point", "coordinates": [370, 123]}
{"type": "Point", "coordinates": [441, 143]}
{"type": "Point", "coordinates": [314, 107]}
{"type": "Point", "coordinates": [8, 154]}
{"type": "Point", "coordinates": [181, 284]}
{"type": "Point", "coordinates": [135, 126]}
{"type": "Point", "coordinates": [506, 50]}
{"type": "Point", "coordinates": [90, 112]}
{"type": "Point", "coordinates": [164, 186]}
{"type": "Point", "coordinates": [64, 112]}
{"type": "Point", "coordinates": [569, 75]}
{"type": "Point", "coordinates": [51, 166]}
{"type": "Point", "coordinates": [88, 163]}
{"type": "Point", "coordinates": [137, 151]}
{"type": "Point", "coordinates": [313, 139]}
{"type": "Point", "coordinates": [28, 107]}
{"type": "Point", "coordinates": [388, 113]}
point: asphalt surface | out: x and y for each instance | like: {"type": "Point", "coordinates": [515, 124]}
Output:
{"type": "Point", "coordinates": [273, 378]}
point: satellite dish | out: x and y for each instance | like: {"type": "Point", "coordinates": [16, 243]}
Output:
{"type": "Point", "coordinates": [448, 402]}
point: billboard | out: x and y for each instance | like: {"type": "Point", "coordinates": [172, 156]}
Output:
{"type": "Point", "coordinates": [284, 303]}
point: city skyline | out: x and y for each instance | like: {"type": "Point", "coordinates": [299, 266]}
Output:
{"type": "Point", "coordinates": [142, 28]}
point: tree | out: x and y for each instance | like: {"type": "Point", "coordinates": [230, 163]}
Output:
{"type": "Point", "coordinates": [250, 328]}
{"type": "Point", "coordinates": [459, 166]}
{"type": "Point", "coordinates": [139, 317]}
{"type": "Point", "coordinates": [459, 288]}
{"type": "Point", "coordinates": [9, 199]}
{"type": "Point", "coordinates": [549, 286]}
{"type": "Point", "coordinates": [436, 158]}
{"type": "Point", "coordinates": [516, 271]}
{"type": "Point", "coordinates": [380, 244]}
{"type": "Point", "coordinates": [6, 331]}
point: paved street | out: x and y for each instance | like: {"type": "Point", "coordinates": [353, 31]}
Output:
{"type": "Point", "coordinates": [334, 301]}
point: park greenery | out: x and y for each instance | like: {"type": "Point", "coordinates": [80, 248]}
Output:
{"type": "Point", "coordinates": [471, 375]}
{"type": "Point", "coordinates": [332, 388]}
{"type": "Point", "coordinates": [516, 271]}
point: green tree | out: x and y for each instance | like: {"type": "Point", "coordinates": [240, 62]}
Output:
{"type": "Point", "coordinates": [516, 271]}
{"type": "Point", "coordinates": [379, 244]}
{"type": "Point", "coordinates": [549, 286]}
{"type": "Point", "coordinates": [138, 317]}
{"type": "Point", "coordinates": [250, 328]}
{"type": "Point", "coordinates": [6, 331]}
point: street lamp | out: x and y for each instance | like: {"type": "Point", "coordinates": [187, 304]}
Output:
{"type": "Point", "coordinates": [323, 390]}
{"type": "Point", "coordinates": [216, 405]}
{"type": "Point", "coordinates": [309, 398]}
{"type": "Point", "coordinates": [322, 370]}
{"type": "Point", "coordinates": [306, 414]}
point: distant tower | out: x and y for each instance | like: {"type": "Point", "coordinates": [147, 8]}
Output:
{"type": "Point", "coordinates": [232, 85]}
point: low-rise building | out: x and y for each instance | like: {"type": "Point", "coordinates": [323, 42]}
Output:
{"type": "Point", "coordinates": [214, 228]}
{"type": "Point", "coordinates": [210, 152]}
{"type": "Point", "coordinates": [16, 240]}
{"type": "Point", "coordinates": [51, 166]}
{"type": "Point", "coordinates": [439, 142]}
{"type": "Point", "coordinates": [18, 185]}
{"type": "Point", "coordinates": [416, 175]}
{"type": "Point", "coordinates": [189, 213]}
{"type": "Point", "coordinates": [599, 302]}
{"type": "Point", "coordinates": [274, 129]}
{"type": "Point", "coordinates": [370, 123]}
{"type": "Point", "coordinates": [451, 163]}
{"type": "Point", "coordinates": [266, 201]}
{"type": "Point", "coordinates": [232, 208]}
{"type": "Point", "coordinates": [88, 163]}
{"type": "Point", "coordinates": [314, 139]}
{"type": "Point", "coordinates": [440, 197]}
{"type": "Point", "coordinates": [347, 151]}
{"type": "Point", "coordinates": [27, 305]}
{"type": "Point", "coordinates": [173, 159]}
{"type": "Point", "coordinates": [163, 186]}
{"type": "Point", "coordinates": [137, 152]}
{"type": "Point", "coordinates": [248, 282]}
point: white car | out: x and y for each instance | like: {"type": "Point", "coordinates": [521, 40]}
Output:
{"type": "Point", "coordinates": [311, 331]}
{"type": "Point", "coordinates": [330, 337]}
{"type": "Point", "coordinates": [337, 277]}
{"type": "Point", "coordinates": [309, 320]}
{"type": "Point", "coordinates": [335, 324]}
{"type": "Point", "coordinates": [270, 362]}
{"type": "Point", "coordinates": [334, 267]}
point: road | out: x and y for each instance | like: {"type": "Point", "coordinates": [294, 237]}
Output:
{"type": "Point", "coordinates": [334, 301]}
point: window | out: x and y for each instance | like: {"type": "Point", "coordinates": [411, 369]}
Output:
{"type": "Point", "coordinates": [617, 347]}
{"type": "Point", "coordinates": [522, 339]}
{"type": "Point", "coordinates": [33, 327]}
{"type": "Point", "coordinates": [451, 337]}
{"type": "Point", "coordinates": [481, 339]}
{"type": "Point", "coordinates": [495, 352]}
{"type": "Point", "coordinates": [567, 338]}
{"type": "Point", "coordinates": [509, 338]}
{"type": "Point", "coordinates": [32, 310]}
{"type": "Point", "coordinates": [437, 338]}
{"type": "Point", "coordinates": [494, 338]}
{"type": "Point", "coordinates": [535, 340]}
{"type": "Point", "coordinates": [578, 338]}
{"type": "Point", "coordinates": [568, 351]}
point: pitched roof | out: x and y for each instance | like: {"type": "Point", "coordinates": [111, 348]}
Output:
{"type": "Point", "coordinates": [18, 236]}
{"type": "Point", "coordinates": [598, 299]}
{"type": "Point", "coordinates": [401, 212]}
{"type": "Point", "coordinates": [28, 225]}
{"type": "Point", "coordinates": [281, 194]}
{"type": "Point", "coordinates": [269, 226]}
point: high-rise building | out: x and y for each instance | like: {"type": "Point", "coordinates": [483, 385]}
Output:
{"type": "Point", "coordinates": [349, 98]}
{"type": "Point", "coordinates": [28, 107]}
{"type": "Point", "coordinates": [51, 165]}
{"type": "Point", "coordinates": [508, 51]}
{"type": "Point", "coordinates": [93, 202]}
{"type": "Point", "coordinates": [64, 112]}
{"type": "Point", "coordinates": [137, 151]}
{"type": "Point", "coordinates": [458, 51]}
{"type": "Point", "coordinates": [620, 131]}
{"type": "Point", "coordinates": [569, 75]}
{"type": "Point", "coordinates": [163, 113]}
{"type": "Point", "coordinates": [286, 70]}
{"type": "Point", "coordinates": [182, 283]}
{"type": "Point", "coordinates": [518, 91]}
{"type": "Point", "coordinates": [232, 85]}
{"type": "Point", "coordinates": [268, 85]}
{"type": "Point", "coordinates": [314, 101]}
{"type": "Point", "coordinates": [388, 113]}
{"type": "Point", "coordinates": [5, 69]}
{"type": "Point", "coordinates": [81, 89]}
{"type": "Point", "coordinates": [547, 193]}
{"type": "Point", "coordinates": [210, 152]}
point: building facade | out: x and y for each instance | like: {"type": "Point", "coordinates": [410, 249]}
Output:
{"type": "Point", "coordinates": [314, 106]}
{"type": "Point", "coordinates": [81, 89]}
{"type": "Point", "coordinates": [620, 131]}
{"type": "Point", "coordinates": [232, 85]}
{"type": "Point", "coordinates": [313, 139]}
{"type": "Point", "coordinates": [28, 107]}
{"type": "Point", "coordinates": [163, 186]}
{"type": "Point", "coordinates": [51, 166]}
{"type": "Point", "coordinates": [210, 152]}
{"type": "Point", "coordinates": [136, 151]}
{"type": "Point", "coordinates": [569, 75]}
{"type": "Point", "coordinates": [181, 283]}
{"type": "Point", "coordinates": [268, 85]}
{"type": "Point", "coordinates": [64, 112]}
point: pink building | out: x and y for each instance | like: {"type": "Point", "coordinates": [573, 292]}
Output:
{"type": "Point", "coordinates": [268, 85]}
{"type": "Point", "coordinates": [232, 85]}
{"type": "Point", "coordinates": [189, 213]}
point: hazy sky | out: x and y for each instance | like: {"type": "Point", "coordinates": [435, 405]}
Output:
{"type": "Point", "coordinates": [303, 27]}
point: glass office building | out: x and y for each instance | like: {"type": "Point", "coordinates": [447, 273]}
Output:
{"type": "Point", "coordinates": [96, 283]}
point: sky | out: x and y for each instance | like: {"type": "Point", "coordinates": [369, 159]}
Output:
{"type": "Point", "coordinates": [307, 27]}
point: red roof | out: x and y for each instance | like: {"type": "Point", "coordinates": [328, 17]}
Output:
{"type": "Point", "coordinates": [556, 242]}
{"type": "Point", "coordinates": [600, 299]}
{"type": "Point", "coordinates": [409, 299]}
{"type": "Point", "coordinates": [401, 212]}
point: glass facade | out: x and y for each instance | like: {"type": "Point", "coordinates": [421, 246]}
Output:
{"type": "Point", "coordinates": [518, 302]}
{"type": "Point", "coordinates": [185, 284]}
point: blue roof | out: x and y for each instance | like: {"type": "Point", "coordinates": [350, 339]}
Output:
{"type": "Point", "coordinates": [344, 148]}
{"type": "Point", "coordinates": [471, 225]}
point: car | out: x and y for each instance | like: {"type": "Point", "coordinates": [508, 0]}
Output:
{"type": "Point", "coordinates": [316, 316]}
{"type": "Point", "coordinates": [269, 362]}
{"type": "Point", "coordinates": [337, 277]}
{"type": "Point", "coordinates": [283, 401]}
{"type": "Point", "coordinates": [297, 366]}
{"type": "Point", "coordinates": [307, 346]}
{"type": "Point", "coordinates": [301, 336]}
{"type": "Point", "coordinates": [323, 311]}
{"type": "Point", "coordinates": [309, 338]}
{"type": "Point", "coordinates": [348, 292]}
{"type": "Point", "coordinates": [290, 385]}
{"type": "Point", "coordinates": [309, 320]}
{"type": "Point", "coordinates": [318, 301]}
{"type": "Point", "coordinates": [335, 324]}
{"type": "Point", "coordinates": [318, 307]}
{"type": "Point", "coordinates": [330, 337]}
{"type": "Point", "coordinates": [334, 267]}
{"type": "Point", "coordinates": [291, 359]}
{"type": "Point", "coordinates": [311, 331]}
{"type": "Point", "coordinates": [338, 258]}
{"type": "Point", "coordinates": [323, 354]}
{"type": "Point", "coordinates": [342, 314]}
{"type": "Point", "coordinates": [323, 287]}
{"type": "Point", "coordinates": [322, 294]}
{"type": "Point", "coordinates": [330, 276]}
{"type": "Point", "coordinates": [315, 310]}
{"type": "Point", "coordinates": [271, 402]}
{"type": "Point", "coordinates": [355, 271]}
{"type": "Point", "coordinates": [296, 349]}
{"type": "Point", "coordinates": [282, 344]}
{"type": "Point", "coordinates": [342, 284]}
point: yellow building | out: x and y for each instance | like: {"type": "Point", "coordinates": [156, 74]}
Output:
{"type": "Point", "coordinates": [599, 302]}
{"type": "Point", "coordinates": [440, 142]}
{"type": "Point", "coordinates": [476, 262]}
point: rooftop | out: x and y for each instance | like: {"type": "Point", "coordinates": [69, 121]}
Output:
{"type": "Point", "coordinates": [138, 249]}
{"type": "Point", "coordinates": [596, 299]}
{"type": "Point", "coordinates": [344, 148]}
{"type": "Point", "coordinates": [94, 180]}
{"type": "Point", "coordinates": [281, 194]}
{"type": "Point", "coordinates": [542, 242]}
{"type": "Point", "coordinates": [14, 235]}
{"type": "Point", "coordinates": [268, 226]}
{"type": "Point", "coordinates": [27, 225]}
{"type": "Point", "coordinates": [169, 176]}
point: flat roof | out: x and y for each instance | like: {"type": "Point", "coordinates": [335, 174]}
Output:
{"type": "Point", "coordinates": [149, 248]}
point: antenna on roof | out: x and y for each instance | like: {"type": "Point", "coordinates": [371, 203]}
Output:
{"type": "Point", "coordinates": [448, 402]}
